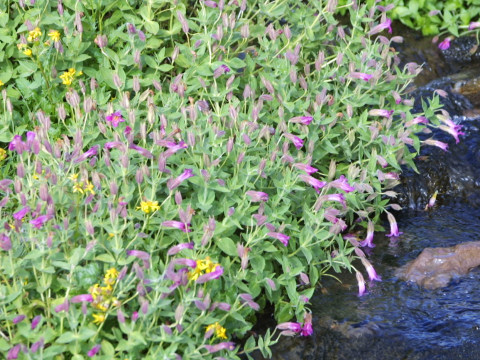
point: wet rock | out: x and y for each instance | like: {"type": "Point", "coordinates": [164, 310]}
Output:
{"type": "Point", "coordinates": [469, 87]}
{"type": "Point", "coordinates": [435, 267]}
{"type": "Point", "coordinates": [462, 50]}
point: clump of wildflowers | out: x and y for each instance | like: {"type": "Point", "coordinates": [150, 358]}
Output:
{"type": "Point", "coordinates": [102, 296]}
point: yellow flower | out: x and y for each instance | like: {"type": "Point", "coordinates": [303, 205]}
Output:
{"type": "Point", "coordinates": [203, 267]}
{"type": "Point", "coordinates": [110, 276]}
{"type": "Point", "coordinates": [78, 187]}
{"type": "Point", "coordinates": [220, 331]}
{"type": "Point", "coordinates": [34, 35]}
{"type": "Point", "coordinates": [148, 206]}
{"type": "Point", "coordinates": [98, 318]}
{"type": "Point", "coordinates": [194, 274]}
{"type": "Point", "coordinates": [3, 154]}
{"type": "Point", "coordinates": [89, 187]}
{"type": "Point", "coordinates": [73, 177]}
{"type": "Point", "coordinates": [1, 83]}
{"type": "Point", "coordinates": [27, 52]}
{"type": "Point", "coordinates": [54, 35]}
{"type": "Point", "coordinates": [67, 76]}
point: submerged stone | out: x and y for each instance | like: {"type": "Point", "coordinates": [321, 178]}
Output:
{"type": "Point", "coordinates": [435, 267]}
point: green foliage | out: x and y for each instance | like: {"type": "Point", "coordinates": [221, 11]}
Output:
{"type": "Point", "coordinates": [111, 119]}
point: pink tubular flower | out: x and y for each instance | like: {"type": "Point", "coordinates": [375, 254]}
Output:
{"type": "Point", "coordinates": [209, 3]}
{"type": "Point", "coordinates": [248, 299]}
{"type": "Point", "coordinates": [361, 283]}
{"type": "Point", "coordinates": [36, 320]}
{"type": "Point", "coordinates": [14, 352]}
{"type": "Point", "coordinates": [342, 184]}
{"type": "Point", "coordinates": [62, 307]}
{"type": "Point", "coordinates": [279, 236]}
{"type": "Point", "coordinates": [453, 130]}
{"type": "Point", "coordinates": [304, 120]}
{"type": "Point", "coordinates": [369, 239]}
{"type": "Point", "coordinates": [445, 44]}
{"type": "Point", "coordinates": [417, 120]}
{"type": "Point", "coordinates": [142, 255]}
{"type": "Point", "coordinates": [387, 24]}
{"type": "Point", "coordinates": [39, 221]}
{"type": "Point", "coordinates": [142, 151]}
{"type": "Point", "coordinates": [94, 350]}
{"type": "Point", "coordinates": [441, 145]}
{"type": "Point", "coordinates": [222, 69]}
{"type": "Point", "coordinates": [115, 118]}
{"type": "Point", "coordinates": [5, 242]}
{"type": "Point", "coordinates": [35, 346]}
{"type": "Point", "coordinates": [18, 319]}
{"type": "Point", "coordinates": [372, 274]}
{"type": "Point", "coordinates": [361, 76]}
{"type": "Point", "coordinates": [177, 248]}
{"type": "Point", "coordinates": [221, 346]}
{"type": "Point", "coordinates": [393, 226]}
{"type": "Point", "coordinates": [297, 142]}
{"type": "Point", "coordinates": [381, 112]}
{"type": "Point", "coordinates": [315, 183]}
{"type": "Point", "coordinates": [114, 144]}
{"type": "Point", "coordinates": [307, 328]}
{"type": "Point", "coordinates": [176, 225]}
{"type": "Point", "coordinates": [292, 326]}
{"type": "Point", "coordinates": [257, 196]}
{"type": "Point", "coordinates": [90, 152]}
{"type": "Point", "coordinates": [307, 168]}
{"type": "Point", "coordinates": [19, 215]}
{"type": "Point", "coordinates": [336, 197]}
{"type": "Point", "coordinates": [82, 298]}
{"type": "Point", "coordinates": [184, 262]}
{"type": "Point", "coordinates": [211, 275]}
{"type": "Point", "coordinates": [174, 183]}
{"type": "Point", "coordinates": [473, 25]}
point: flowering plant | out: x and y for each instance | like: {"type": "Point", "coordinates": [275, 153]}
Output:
{"type": "Point", "coordinates": [206, 162]}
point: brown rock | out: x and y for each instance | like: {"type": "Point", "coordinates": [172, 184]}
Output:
{"type": "Point", "coordinates": [435, 267]}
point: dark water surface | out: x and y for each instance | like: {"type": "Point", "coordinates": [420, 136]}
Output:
{"type": "Point", "coordinates": [394, 319]}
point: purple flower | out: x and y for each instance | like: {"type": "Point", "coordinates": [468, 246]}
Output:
{"type": "Point", "coordinates": [211, 275]}
{"type": "Point", "coordinates": [221, 346]}
{"type": "Point", "coordinates": [17, 144]}
{"type": "Point", "coordinates": [307, 328]}
{"type": "Point", "coordinates": [19, 215]}
{"type": "Point", "coordinates": [115, 118]}
{"type": "Point", "coordinates": [453, 130]}
{"type": "Point", "coordinates": [441, 145]}
{"type": "Point", "coordinates": [177, 225]}
{"type": "Point", "coordinates": [445, 44]}
{"type": "Point", "coordinates": [315, 183]}
{"type": "Point", "coordinates": [35, 346]}
{"type": "Point", "coordinates": [361, 283]}
{"type": "Point", "coordinates": [63, 306]}
{"type": "Point", "coordinates": [257, 196]}
{"type": "Point", "coordinates": [433, 199]}
{"type": "Point", "coordinates": [142, 255]}
{"type": "Point", "coordinates": [369, 239]}
{"type": "Point", "coordinates": [307, 168]}
{"type": "Point", "coordinates": [94, 350]}
{"type": "Point", "coordinates": [248, 299]}
{"type": "Point", "coordinates": [393, 226]}
{"type": "Point", "coordinates": [177, 248]}
{"type": "Point", "coordinates": [173, 183]}
{"type": "Point", "coordinates": [292, 326]}
{"type": "Point", "coordinates": [222, 69]}
{"type": "Point", "coordinates": [279, 236]}
{"type": "Point", "coordinates": [184, 262]}
{"type": "Point", "coordinates": [142, 151]}
{"type": "Point", "coordinates": [5, 242]}
{"type": "Point", "coordinates": [82, 298]}
{"type": "Point", "coordinates": [342, 184]}
{"type": "Point", "coordinates": [297, 142]}
{"type": "Point", "coordinates": [13, 352]}
{"type": "Point", "coordinates": [372, 274]}
{"type": "Point", "coordinates": [359, 75]}
{"type": "Point", "coordinates": [381, 160]}
{"type": "Point", "coordinates": [473, 25]}
{"type": "Point", "coordinates": [387, 24]}
{"type": "Point", "coordinates": [304, 120]}
{"type": "Point", "coordinates": [90, 152]}
{"type": "Point", "coordinates": [18, 318]}
{"type": "Point", "coordinates": [36, 321]}
{"type": "Point", "coordinates": [39, 221]}
{"type": "Point", "coordinates": [381, 112]}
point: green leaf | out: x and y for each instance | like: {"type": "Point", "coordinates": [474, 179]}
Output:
{"type": "Point", "coordinates": [67, 337]}
{"type": "Point", "coordinates": [227, 246]}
